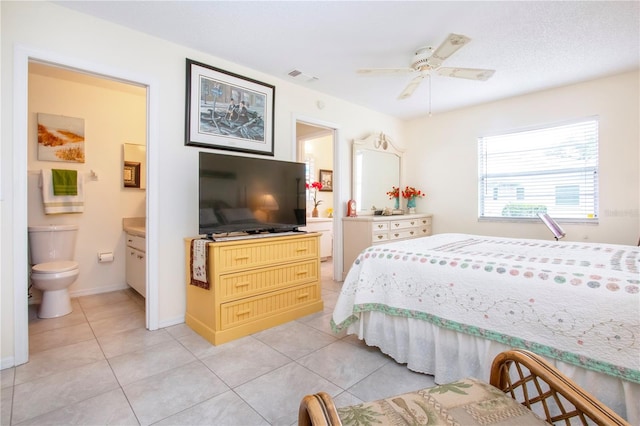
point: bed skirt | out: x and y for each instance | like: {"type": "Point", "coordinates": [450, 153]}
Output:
{"type": "Point", "coordinates": [449, 356]}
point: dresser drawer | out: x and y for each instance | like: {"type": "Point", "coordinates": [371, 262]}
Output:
{"type": "Point", "coordinates": [266, 252]}
{"type": "Point", "coordinates": [254, 308]}
{"type": "Point", "coordinates": [379, 226]}
{"type": "Point", "coordinates": [244, 284]}
{"type": "Point", "coordinates": [404, 224]}
{"type": "Point", "coordinates": [380, 238]}
{"type": "Point", "coordinates": [404, 233]}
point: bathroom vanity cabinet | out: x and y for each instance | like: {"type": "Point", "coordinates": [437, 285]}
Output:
{"type": "Point", "coordinates": [325, 227]}
{"type": "Point", "coordinates": [135, 263]}
{"type": "Point", "coordinates": [254, 284]}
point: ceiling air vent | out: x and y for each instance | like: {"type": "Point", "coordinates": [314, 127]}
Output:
{"type": "Point", "coordinates": [299, 75]}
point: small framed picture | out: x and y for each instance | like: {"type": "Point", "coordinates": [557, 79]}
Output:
{"type": "Point", "coordinates": [326, 179]}
{"type": "Point", "coordinates": [131, 174]}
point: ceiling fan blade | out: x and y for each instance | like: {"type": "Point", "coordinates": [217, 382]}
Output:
{"type": "Point", "coordinates": [411, 87]}
{"type": "Point", "coordinates": [385, 70]}
{"type": "Point", "coordinates": [448, 48]}
{"type": "Point", "coordinates": [468, 73]}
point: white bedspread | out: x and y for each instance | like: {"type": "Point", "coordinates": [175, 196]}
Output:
{"type": "Point", "coordinates": [575, 302]}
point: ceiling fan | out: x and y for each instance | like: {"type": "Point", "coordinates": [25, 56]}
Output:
{"type": "Point", "coordinates": [426, 60]}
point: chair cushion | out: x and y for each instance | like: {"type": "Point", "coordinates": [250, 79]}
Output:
{"type": "Point", "coordinates": [465, 402]}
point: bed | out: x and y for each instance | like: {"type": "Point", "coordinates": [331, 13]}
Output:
{"type": "Point", "coordinates": [462, 299]}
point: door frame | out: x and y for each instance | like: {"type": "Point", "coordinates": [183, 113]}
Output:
{"type": "Point", "coordinates": [22, 57]}
{"type": "Point", "coordinates": [337, 187]}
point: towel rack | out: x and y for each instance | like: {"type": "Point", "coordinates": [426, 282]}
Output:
{"type": "Point", "coordinates": [92, 175]}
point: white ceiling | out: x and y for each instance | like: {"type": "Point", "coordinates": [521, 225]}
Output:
{"type": "Point", "coordinates": [532, 45]}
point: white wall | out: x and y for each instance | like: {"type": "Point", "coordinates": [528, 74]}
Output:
{"type": "Point", "coordinates": [114, 114]}
{"type": "Point", "coordinates": [441, 157]}
{"type": "Point", "coordinates": [54, 30]}
{"type": "Point", "coordinates": [321, 149]}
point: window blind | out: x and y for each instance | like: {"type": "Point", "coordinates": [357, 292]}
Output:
{"type": "Point", "coordinates": [551, 170]}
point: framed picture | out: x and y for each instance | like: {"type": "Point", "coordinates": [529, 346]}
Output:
{"type": "Point", "coordinates": [60, 138]}
{"type": "Point", "coordinates": [131, 174]}
{"type": "Point", "coordinates": [326, 179]}
{"type": "Point", "coordinates": [228, 111]}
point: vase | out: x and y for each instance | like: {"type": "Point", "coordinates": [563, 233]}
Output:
{"type": "Point", "coordinates": [396, 204]}
{"type": "Point", "coordinates": [314, 212]}
{"type": "Point", "coordinates": [411, 204]}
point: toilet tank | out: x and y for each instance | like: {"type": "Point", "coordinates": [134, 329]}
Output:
{"type": "Point", "coordinates": [50, 243]}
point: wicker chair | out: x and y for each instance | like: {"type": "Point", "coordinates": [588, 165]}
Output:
{"type": "Point", "coordinates": [521, 375]}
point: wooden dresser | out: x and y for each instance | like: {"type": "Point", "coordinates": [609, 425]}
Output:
{"type": "Point", "coordinates": [255, 284]}
{"type": "Point", "coordinates": [361, 232]}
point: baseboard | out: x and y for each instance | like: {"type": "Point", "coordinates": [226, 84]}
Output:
{"type": "Point", "coordinates": [171, 322]}
{"type": "Point", "coordinates": [99, 290]}
{"type": "Point", "coordinates": [7, 362]}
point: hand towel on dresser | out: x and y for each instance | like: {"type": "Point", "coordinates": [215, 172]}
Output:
{"type": "Point", "coordinates": [198, 262]}
{"type": "Point", "coordinates": [56, 204]}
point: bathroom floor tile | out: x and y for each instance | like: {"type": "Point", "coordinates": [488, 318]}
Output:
{"type": "Point", "coordinates": [112, 325]}
{"type": "Point", "coordinates": [295, 339]}
{"type": "Point", "coordinates": [6, 398]}
{"type": "Point", "coordinates": [103, 299]}
{"type": "Point", "coordinates": [100, 312]}
{"type": "Point", "coordinates": [166, 393]}
{"type": "Point", "coordinates": [38, 325]}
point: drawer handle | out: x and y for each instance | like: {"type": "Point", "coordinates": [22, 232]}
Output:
{"type": "Point", "coordinates": [412, 222]}
{"type": "Point", "coordinates": [303, 296]}
{"type": "Point", "coordinates": [130, 240]}
{"type": "Point", "coordinates": [396, 235]}
{"type": "Point", "coordinates": [380, 226]}
{"type": "Point", "coordinates": [301, 249]}
{"type": "Point", "coordinates": [411, 232]}
{"type": "Point", "coordinates": [241, 258]}
{"type": "Point", "coordinates": [238, 285]}
{"type": "Point", "coordinates": [302, 273]}
{"type": "Point", "coordinates": [139, 257]}
{"type": "Point", "coordinates": [240, 313]}
{"type": "Point", "coordinates": [380, 237]}
{"type": "Point", "coordinates": [396, 224]}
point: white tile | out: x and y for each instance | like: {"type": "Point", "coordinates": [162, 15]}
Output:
{"type": "Point", "coordinates": [167, 393]}
{"type": "Point", "coordinates": [55, 391]}
{"type": "Point", "coordinates": [103, 298]}
{"type": "Point", "coordinates": [134, 366]}
{"type": "Point", "coordinates": [344, 364]}
{"type": "Point", "coordinates": [59, 337]}
{"type": "Point", "coordinates": [131, 341]}
{"type": "Point", "coordinates": [100, 312]}
{"type": "Point", "coordinates": [124, 322]}
{"type": "Point", "coordinates": [244, 361]}
{"type": "Point", "coordinates": [38, 325]}
{"type": "Point", "coordinates": [6, 399]}
{"type": "Point", "coordinates": [201, 348]}
{"type": "Point", "coordinates": [225, 409]}
{"type": "Point", "coordinates": [277, 395]}
{"type": "Point", "coordinates": [295, 339]}
{"type": "Point", "coordinates": [6, 377]}
{"type": "Point", "coordinates": [109, 408]}
{"type": "Point", "coordinates": [57, 360]}
{"type": "Point", "coordinates": [391, 379]}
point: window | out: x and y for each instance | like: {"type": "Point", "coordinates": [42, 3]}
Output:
{"type": "Point", "coordinates": [551, 170]}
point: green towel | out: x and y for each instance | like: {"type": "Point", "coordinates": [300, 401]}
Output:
{"type": "Point", "coordinates": [65, 182]}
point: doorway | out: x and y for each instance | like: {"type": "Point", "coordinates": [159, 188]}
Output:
{"type": "Point", "coordinates": [316, 146]}
{"type": "Point", "coordinates": [23, 57]}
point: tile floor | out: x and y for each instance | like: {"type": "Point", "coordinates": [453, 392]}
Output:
{"type": "Point", "coordinates": [99, 366]}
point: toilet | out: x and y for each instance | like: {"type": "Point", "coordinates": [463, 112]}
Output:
{"type": "Point", "coordinates": [52, 249]}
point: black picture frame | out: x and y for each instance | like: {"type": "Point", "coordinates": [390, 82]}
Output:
{"type": "Point", "coordinates": [325, 177]}
{"type": "Point", "coordinates": [212, 120]}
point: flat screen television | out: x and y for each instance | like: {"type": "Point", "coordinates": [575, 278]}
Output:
{"type": "Point", "coordinates": [250, 195]}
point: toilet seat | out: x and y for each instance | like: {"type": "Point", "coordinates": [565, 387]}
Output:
{"type": "Point", "coordinates": [55, 267]}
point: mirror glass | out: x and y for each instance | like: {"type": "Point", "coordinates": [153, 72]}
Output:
{"type": "Point", "coordinates": [376, 169]}
{"type": "Point", "coordinates": [134, 167]}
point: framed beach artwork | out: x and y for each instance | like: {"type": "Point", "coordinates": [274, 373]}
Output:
{"type": "Point", "coordinates": [228, 111]}
{"type": "Point", "coordinates": [60, 138]}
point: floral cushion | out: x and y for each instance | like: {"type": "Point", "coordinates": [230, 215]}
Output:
{"type": "Point", "coordinates": [465, 402]}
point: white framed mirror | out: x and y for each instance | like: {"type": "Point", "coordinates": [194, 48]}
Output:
{"type": "Point", "coordinates": [377, 166]}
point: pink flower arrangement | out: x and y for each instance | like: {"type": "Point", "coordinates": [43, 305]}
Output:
{"type": "Point", "coordinates": [316, 186]}
{"type": "Point", "coordinates": [410, 192]}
